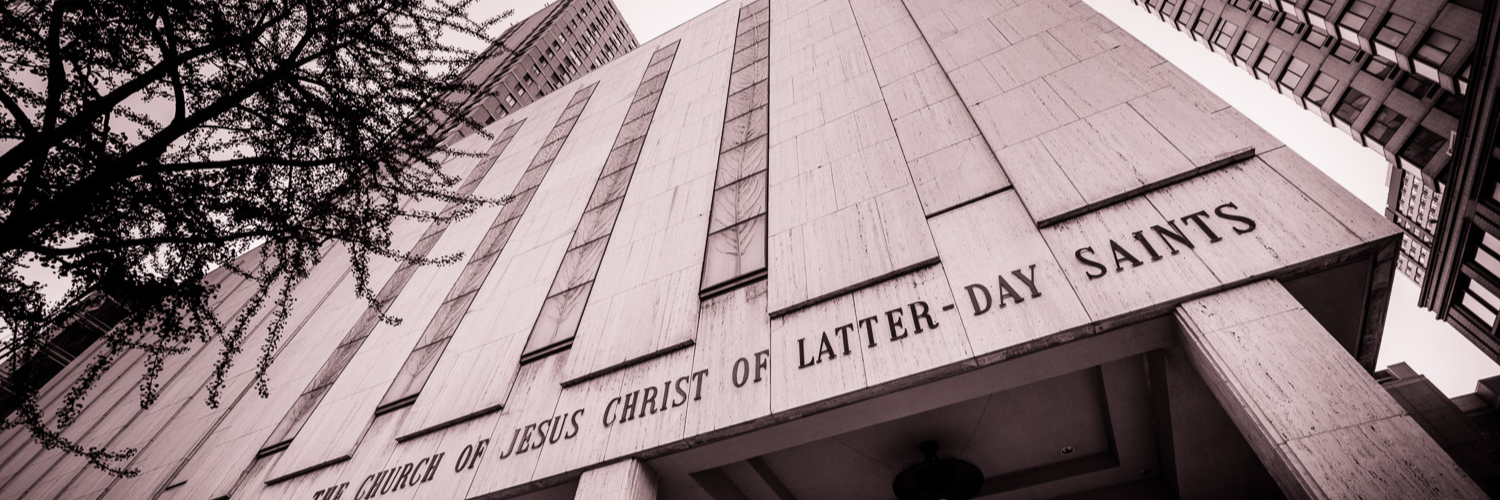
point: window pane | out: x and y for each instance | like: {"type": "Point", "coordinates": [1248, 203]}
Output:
{"type": "Point", "coordinates": [1422, 146]}
{"type": "Point", "coordinates": [1352, 104]}
{"type": "Point", "coordinates": [1486, 254]}
{"type": "Point", "coordinates": [1247, 46]}
{"type": "Point", "coordinates": [1345, 52]}
{"type": "Point", "coordinates": [1379, 66]}
{"type": "Point", "coordinates": [1474, 305]}
{"type": "Point", "coordinates": [1385, 124]}
{"type": "Point", "coordinates": [735, 252]}
{"type": "Point", "coordinates": [1321, 89]}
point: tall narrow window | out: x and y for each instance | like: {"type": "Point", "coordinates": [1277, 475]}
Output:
{"type": "Point", "coordinates": [1384, 125]}
{"type": "Point", "coordinates": [291, 423]}
{"type": "Point", "coordinates": [557, 323]}
{"type": "Point", "coordinates": [735, 252]}
{"type": "Point", "coordinates": [1391, 34]}
{"type": "Point", "coordinates": [1433, 53]}
{"type": "Point", "coordinates": [434, 340]}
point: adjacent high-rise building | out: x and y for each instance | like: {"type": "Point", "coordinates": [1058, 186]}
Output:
{"type": "Point", "coordinates": [822, 249]}
{"type": "Point", "coordinates": [541, 53]}
{"type": "Point", "coordinates": [1463, 286]}
{"type": "Point", "coordinates": [1393, 74]}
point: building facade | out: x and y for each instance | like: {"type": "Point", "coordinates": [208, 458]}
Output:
{"type": "Point", "coordinates": [776, 249]}
{"type": "Point", "coordinates": [1393, 74]}
{"type": "Point", "coordinates": [542, 53]}
{"type": "Point", "coordinates": [1466, 256]}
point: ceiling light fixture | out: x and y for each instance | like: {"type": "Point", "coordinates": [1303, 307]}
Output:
{"type": "Point", "coordinates": [938, 478]}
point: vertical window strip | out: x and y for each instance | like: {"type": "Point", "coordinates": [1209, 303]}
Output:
{"type": "Point", "coordinates": [735, 251]}
{"type": "Point", "coordinates": [292, 422]}
{"type": "Point", "coordinates": [434, 340]}
{"type": "Point", "coordinates": [557, 323]}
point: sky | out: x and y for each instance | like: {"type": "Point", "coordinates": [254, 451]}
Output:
{"type": "Point", "coordinates": [1412, 335]}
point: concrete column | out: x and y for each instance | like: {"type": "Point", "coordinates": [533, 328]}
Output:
{"type": "Point", "coordinates": [626, 480]}
{"type": "Point", "coordinates": [1318, 421]}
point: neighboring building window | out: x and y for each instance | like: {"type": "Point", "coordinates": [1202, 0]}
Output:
{"type": "Point", "coordinates": [1416, 86]}
{"type": "Point", "coordinates": [1242, 4]}
{"type": "Point", "coordinates": [1321, 88]}
{"type": "Point", "coordinates": [1268, 61]}
{"type": "Point", "coordinates": [1246, 47]}
{"type": "Point", "coordinates": [1265, 13]}
{"type": "Point", "coordinates": [1391, 34]}
{"type": "Point", "coordinates": [1354, 19]}
{"type": "Point", "coordinates": [1351, 105]}
{"type": "Point", "coordinates": [510, 99]}
{"type": "Point", "coordinates": [1452, 104]}
{"type": "Point", "coordinates": [1380, 67]}
{"type": "Point", "coordinates": [1463, 78]}
{"type": "Point", "coordinates": [1347, 53]}
{"type": "Point", "coordinates": [1292, 77]}
{"type": "Point", "coordinates": [1434, 51]}
{"type": "Point", "coordinates": [1421, 148]}
{"type": "Point", "coordinates": [1317, 38]}
{"type": "Point", "coordinates": [521, 89]}
{"type": "Point", "coordinates": [1204, 23]}
{"type": "Point", "coordinates": [1385, 124]}
{"type": "Point", "coordinates": [1488, 254]}
{"type": "Point", "coordinates": [1289, 25]}
{"type": "Point", "coordinates": [1224, 35]}
{"type": "Point", "coordinates": [1185, 16]}
{"type": "Point", "coordinates": [1480, 302]}
{"type": "Point", "coordinates": [1317, 13]}
{"type": "Point", "coordinates": [1288, 6]}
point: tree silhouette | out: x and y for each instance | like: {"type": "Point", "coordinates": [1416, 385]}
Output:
{"type": "Point", "coordinates": [144, 142]}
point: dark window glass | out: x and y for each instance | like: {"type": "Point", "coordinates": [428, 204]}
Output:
{"type": "Point", "coordinates": [1349, 107]}
{"type": "Point", "coordinates": [1289, 25]}
{"type": "Point", "coordinates": [1380, 67]}
{"type": "Point", "coordinates": [1317, 38]}
{"type": "Point", "coordinates": [1437, 48]}
{"type": "Point", "coordinates": [1246, 47]}
{"type": "Point", "coordinates": [1416, 86]}
{"type": "Point", "coordinates": [1345, 52]}
{"type": "Point", "coordinates": [1321, 88]}
{"type": "Point", "coordinates": [1421, 147]}
{"type": "Point", "coordinates": [1452, 104]}
{"type": "Point", "coordinates": [1320, 7]}
{"type": "Point", "coordinates": [1242, 4]}
{"type": "Point", "coordinates": [1385, 124]}
{"type": "Point", "coordinates": [1394, 30]}
{"type": "Point", "coordinates": [1265, 13]}
{"type": "Point", "coordinates": [1355, 18]}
